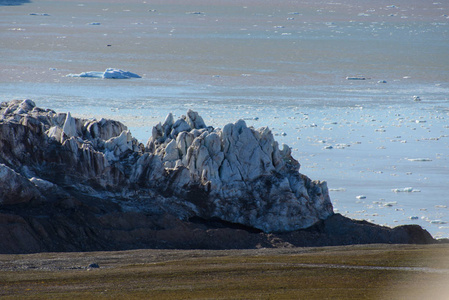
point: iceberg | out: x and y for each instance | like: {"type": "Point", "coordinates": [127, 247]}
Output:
{"type": "Point", "coordinates": [109, 73]}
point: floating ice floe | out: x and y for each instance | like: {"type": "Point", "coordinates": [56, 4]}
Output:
{"type": "Point", "coordinates": [109, 73]}
{"type": "Point", "coordinates": [405, 190]}
{"type": "Point", "coordinates": [416, 98]}
{"type": "Point", "coordinates": [342, 146]}
{"type": "Point", "coordinates": [390, 204]}
{"type": "Point", "coordinates": [438, 222]}
{"type": "Point", "coordinates": [355, 78]}
{"type": "Point", "coordinates": [413, 217]}
{"type": "Point", "coordinates": [337, 190]}
{"type": "Point", "coordinates": [419, 159]}
{"type": "Point", "coordinates": [361, 197]}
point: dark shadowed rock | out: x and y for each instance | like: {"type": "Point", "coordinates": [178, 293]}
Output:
{"type": "Point", "coordinates": [93, 266]}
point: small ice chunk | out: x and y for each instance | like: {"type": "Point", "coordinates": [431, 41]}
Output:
{"type": "Point", "coordinates": [39, 14]}
{"type": "Point", "coordinates": [361, 197]}
{"type": "Point", "coordinates": [337, 190]}
{"type": "Point", "coordinates": [413, 217]}
{"type": "Point", "coordinates": [390, 204]}
{"type": "Point", "coordinates": [90, 74]}
{"type": "Point", "coordinates": [342, 146]}
{"type": "Point", "coordinates": [438, 222]}
{"type": "Point", "coordinates": [416, 98]}
{"type": "Point", "coordinates": [328, 147]}
{"type": "Point", "coordinates": [405, 190]}
{"type": "Point", "coordinates": [419, 159]}
{"type": "Point", "coordinates": [95, 23]}
{"type": "Point", "coordinates": [355, 78]}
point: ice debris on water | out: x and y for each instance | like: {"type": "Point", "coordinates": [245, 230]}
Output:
{"type": "Point", "coordinates": [337, 190]}
{"type": "Point", "coordinates": [438, 222]}
{"type": "Point", "coordinates": [416, 98]}
{"type": "Point", "coordinates": [342, 146]}
{"type": "Point", "coordinates": [40, 14]}
{"type": "Point", "coordinates": [361, 197]}
{"type": "Point", "coordinates": [419, 159]}
{"type": "Point", "coordinates": [109, 73]}
{"type": "Point", "coordinates": [405, 190]}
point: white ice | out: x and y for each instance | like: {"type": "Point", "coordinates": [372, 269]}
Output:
{"type": "Point", "coordinates": [109, 73]}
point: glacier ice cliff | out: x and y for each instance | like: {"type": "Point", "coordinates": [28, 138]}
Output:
{"type": "Point", "coordinates": [237, 174]}
{"type": "Point", "coordinates": [71, 184]}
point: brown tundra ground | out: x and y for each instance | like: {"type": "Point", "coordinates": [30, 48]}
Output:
{"type": "Point", "coordinates": [344, 272]}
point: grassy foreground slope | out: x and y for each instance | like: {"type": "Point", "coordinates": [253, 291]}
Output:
{"type": "Point", "coordinates": [346, 272]}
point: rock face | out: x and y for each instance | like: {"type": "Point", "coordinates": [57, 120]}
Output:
{"type": "Point", "coordinates": [79, 184]}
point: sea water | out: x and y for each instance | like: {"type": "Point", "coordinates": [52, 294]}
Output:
{"type": "Point", "coordinates": [287, 65]}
